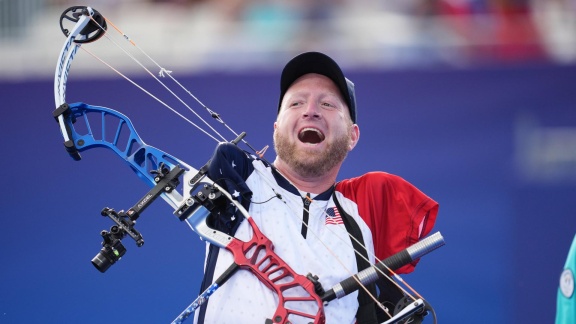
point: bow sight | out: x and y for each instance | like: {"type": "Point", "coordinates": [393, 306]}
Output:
{"type": "Point", "coordinates": [112, 248]}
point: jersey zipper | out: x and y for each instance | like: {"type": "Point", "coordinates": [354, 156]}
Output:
{"type": "Point", "coordinates": [306, 215]}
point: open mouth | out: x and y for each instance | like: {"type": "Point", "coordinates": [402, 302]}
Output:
{"type": "Point", "coordinates": [310, 135]}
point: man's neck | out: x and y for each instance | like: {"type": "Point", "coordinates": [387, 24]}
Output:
{"type": "Point", "coordinates": [315, 185]}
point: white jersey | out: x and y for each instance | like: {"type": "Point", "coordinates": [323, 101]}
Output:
{"type": "Point", "coordinates": [322, 248]}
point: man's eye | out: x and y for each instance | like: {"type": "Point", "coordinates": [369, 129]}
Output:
{"type": "Point", "coordinates": [327, 104]}
{"type": "Point", "coordinates": [294, 104]}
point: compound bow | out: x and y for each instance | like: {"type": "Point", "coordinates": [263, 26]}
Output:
{"type": "Point", "coordinates": [193, 196]}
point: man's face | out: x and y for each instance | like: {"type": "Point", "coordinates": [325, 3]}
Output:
{"type": "Point", "coordinates": [314, 132]}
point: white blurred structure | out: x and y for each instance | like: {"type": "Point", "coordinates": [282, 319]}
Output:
{"type": "Point", "coordinates": [232, 35]}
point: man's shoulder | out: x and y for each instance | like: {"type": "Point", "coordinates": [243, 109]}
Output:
{"type": "Point", "coordinates": [370, 179]}
{"type": "Point", "coordinates": [231, 152]}
{"type": "Point", "coordinates": [229, 160]}
{"type": "Point", "coordinates": [374, 184]}
{"type": "Point", "coordinates": [228, 148]}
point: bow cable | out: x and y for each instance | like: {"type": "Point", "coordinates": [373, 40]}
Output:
{"type": "Point", "coordinates": [130, 55]}
{"type": "Point", "coordinates": [150, 94]}
{"type": "Point", "coordinates": [162, 73]}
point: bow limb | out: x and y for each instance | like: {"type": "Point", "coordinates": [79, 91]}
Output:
{"type": "Point", "coordinates": [66, 56]}
{"type": "Point", "coordinates": [84, 30]}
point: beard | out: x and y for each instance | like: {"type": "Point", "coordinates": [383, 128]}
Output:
{"type": "Point", "coordinates": [308, 162]}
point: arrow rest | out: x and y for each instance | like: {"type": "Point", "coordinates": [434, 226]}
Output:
{"type": "Point", "coordinates": [93, 30]}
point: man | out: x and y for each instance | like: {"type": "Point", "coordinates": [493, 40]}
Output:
{"type": "Point", "coordinates": [298, 205]}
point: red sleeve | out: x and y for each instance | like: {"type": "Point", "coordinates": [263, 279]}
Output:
{"type": "Point", "coordinates": [397, 213]}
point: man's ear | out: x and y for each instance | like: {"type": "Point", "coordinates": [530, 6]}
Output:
{"type": "Point", "coordinates": [354, 136]}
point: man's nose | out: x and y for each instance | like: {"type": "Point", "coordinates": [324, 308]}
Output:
{"type": "Point", "coordinates": [312, 109]}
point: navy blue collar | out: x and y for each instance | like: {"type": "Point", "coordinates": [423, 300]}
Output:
{"type": "Point", "coordinates": [289, 187]}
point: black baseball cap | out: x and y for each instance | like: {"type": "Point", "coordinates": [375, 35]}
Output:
{"type": "Point", "coordinates": [315, 62]}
